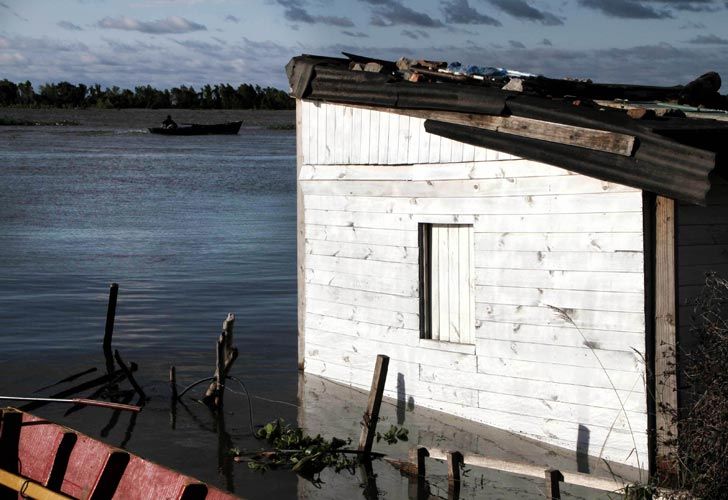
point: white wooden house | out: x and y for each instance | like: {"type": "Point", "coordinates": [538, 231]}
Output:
{"type": "Point", "coordinates": [521, 282]}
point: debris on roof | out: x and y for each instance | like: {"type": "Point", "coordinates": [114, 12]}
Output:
{"type": "Point", "coordinates": [560, 122]}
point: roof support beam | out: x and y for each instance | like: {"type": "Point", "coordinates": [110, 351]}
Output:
{"type": "Point", "coordinates": [597, 140]}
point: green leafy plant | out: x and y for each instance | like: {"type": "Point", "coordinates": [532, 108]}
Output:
{"type": "Point", "coordinates": [393, 435]}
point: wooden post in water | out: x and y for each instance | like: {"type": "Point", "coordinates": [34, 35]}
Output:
{"type": "Point", "coordinates": [369, 423]}
{"type": "Point", "coordinates": [225, 357]}
{"type": "Point", "coordinates": [173, 382]}
{"type": "Point", "coordinates": [553, 478]}
{"type": "Point", "coordinates": [454, 462]}
{"type": "Point", "coordinates": [129, 376]}
{"type": "Point", "coordinates": [109, 330]}
{"type": "Point", "coordinates": [417, 457]}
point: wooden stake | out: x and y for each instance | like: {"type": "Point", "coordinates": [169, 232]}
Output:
{"type": "Point", "coordinates": [553, 478]}
{"type": "Point", "coordinates": [109, 330]}
{"type": "Point", "coordinates": [226, 355]}
{"type": "Point", "coordinates": [417, 457]}
{"type": "Point", "coordinates": [369, 423]}
{"type": "Point", "coordinates": [173, 382]}
{"type": "Point", "coordinates": [454, 462]}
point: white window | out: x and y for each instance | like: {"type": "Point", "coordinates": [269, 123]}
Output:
{"type": "Point", "coordinates": [447, 301]}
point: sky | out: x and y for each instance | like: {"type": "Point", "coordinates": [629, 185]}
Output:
{"type": "Point", "coordinates": [167, 43]}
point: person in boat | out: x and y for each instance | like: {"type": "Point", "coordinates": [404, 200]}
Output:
{"type": "Point", "coordinates": [169, 122]}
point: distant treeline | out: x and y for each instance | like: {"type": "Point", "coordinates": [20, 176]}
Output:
{"type": "Point", "coordinates": [68, 95]}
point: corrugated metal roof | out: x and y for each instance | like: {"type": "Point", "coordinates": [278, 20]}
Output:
{"type": "Point", "coordinates": [672, 157]}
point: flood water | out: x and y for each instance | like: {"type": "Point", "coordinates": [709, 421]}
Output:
{"type": "Point", "coordinates": [191, 228]}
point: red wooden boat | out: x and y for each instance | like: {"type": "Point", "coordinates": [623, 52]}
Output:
{"type": "Point", "coordinates": [41, 459]}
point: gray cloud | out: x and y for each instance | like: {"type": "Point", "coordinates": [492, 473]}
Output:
{"type": "Point", "coordinates": [515, 44]}
{"type": "Point", "coordinates": [626, 9]}
{"type": "Point", "coordinates": [522, 10]}
{"type": "Point", "coordinates": [392, 13]}
{"type": "Point", "coordinates": [232, 19]}
{"type": "Point", "coordinates": [708, 40]}
{"type": "Point", "coordinates": [7, 7]}
{"type": "Point", "coordinates": [295, 11]}
{"type": "Point", "coordinates": [546, 42]}
{"type": "Point", "coordinates": [415, 34]}
{"type": "Point", "coordinates": [689, 5]}
{"type": "Point", "coordinates": [172, 24]}
{"type": "Point", "coordinates": [354, 34]}
{"type": "Point", "coordinates": [460, 12]}
{"type": "Point", "coordinates": [67, 25]}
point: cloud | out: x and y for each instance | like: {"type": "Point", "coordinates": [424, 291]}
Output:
{"type": "Point", "coordinates": [460, 12]}
{"type": "Point", "coordinates": [415, 34]}
{"type": "Point", "coordinates": [172, 24]}
{"type": "Point", "coordinates": [546, 42]}
{"type": "Point", "coordinates": [7, 7]}
{"type": "Point", "coordinates": [67, 25]}
{"type": "Point", "coordinates": [232, 19]}
{"type": "Point", "coordinates": [626, 9]}
{"type": "Point", "coordinates": [354, 34]}
{"type": "Point", "coordinates": [689, 5]}
{"type": "Point", "coordinates": [515, 44]}
{"type": "Point", "coordinates": [522, 10]}
{"type": "Point", "coordinates": [392, 13]}
{"type": "Point", "coordinates": [296, 12]}
{"type": "Point", "coordinates": [708, 40]}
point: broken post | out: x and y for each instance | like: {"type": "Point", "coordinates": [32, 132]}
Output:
{"type": "Point", "coordinates": [553, 478]}
{"type": "Point", "coordinates": [226, 356]}
{"type": "Point", "coordinates": [109, 330]}
{"type": "Point", "coordinates": [454, 462]}
{"type": "Point", "coordinates": [417, 457]}
{"type": "Point", "coordinates": [129, 376]}
{"type": "Point", "coordinates": [369, 423]}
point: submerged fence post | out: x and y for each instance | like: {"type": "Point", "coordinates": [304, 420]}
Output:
{"type": "Point", "coordinates": [553, 478]}
{"type": "Point", "coordinates": [109, 330]}
{"type": "Point", "coordinates": [369, 423]}
{"type": "Point", "coordinates": [225, 357]}
{"type": "Point", "coordinates": [454, 462]}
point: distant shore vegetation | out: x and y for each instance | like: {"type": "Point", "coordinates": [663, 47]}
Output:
{"type": "Point", "coordinates": [68, 95]}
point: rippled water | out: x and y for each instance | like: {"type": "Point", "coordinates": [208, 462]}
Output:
{"type": "Point", "coordinates": [191, 228]}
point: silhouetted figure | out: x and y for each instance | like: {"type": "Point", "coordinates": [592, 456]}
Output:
{"type": "Point", "coordinates": [169, 122]}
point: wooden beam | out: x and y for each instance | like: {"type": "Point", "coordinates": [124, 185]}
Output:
{"type": "Point", "coordinates": [369, 424]}
{"type": "Point", "coordinates": [523, 469]}
{"type": "Point", "coordinates": [665, 338]}
{"type": "Point", "coordinates": [588, 138]}
{"type": "Point", "coordinates": [300, 240]}
{"type": "Point", "coordinates": [28, 488]}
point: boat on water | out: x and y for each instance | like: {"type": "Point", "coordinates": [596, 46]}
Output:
{"type": "Point", "coordinates": [41, 459]}
{"type": "Point", "coordinates": [230, 128]}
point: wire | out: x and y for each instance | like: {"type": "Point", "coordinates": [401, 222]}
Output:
{"type": "Point", "coordinates": [250, 403]}
{"type": "Point", "coordinates": [193, 384]}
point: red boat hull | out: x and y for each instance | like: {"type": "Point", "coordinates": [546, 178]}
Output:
{"type": "Point", "coordinates": [78, 466]}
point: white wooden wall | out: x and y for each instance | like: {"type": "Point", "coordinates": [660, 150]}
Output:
{"type": "Point", "coordinates": [545, 238]}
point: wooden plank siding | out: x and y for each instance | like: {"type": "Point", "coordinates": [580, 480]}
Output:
{"type": "Point", "coordinates": [559, 280]}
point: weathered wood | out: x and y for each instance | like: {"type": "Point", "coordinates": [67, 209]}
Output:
{"type": "Point", "coordinates": [109, 330]}
{"type": "Point", "coordinates": [523, 469]}
{"type": "Point", "coordinates": [129, 376]}
{"type": "Point", "coordinates": [226, 355]}
{"type": "Point", "coordinates": [28, 488]}
{"type": "Point", "coordinates": [369, 422]}
{"type": "Point", "coordinates": [454, 462]}
{"type": "Point", "coordinates": [553, 478]}
{"type": "Point", "coordinates": [597, 140]}
{"type": "Point", "coordinates": [665, 338]}
{"type": "Point", "coordinates": [300, 235]}
{"type": "Point", "coordinates": [173, 382]}
{"type": "Point", "coordinates": [417, 458]}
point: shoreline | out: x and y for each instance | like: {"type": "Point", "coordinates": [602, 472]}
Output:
{"type": "Point", "coordinates": [142, 117]}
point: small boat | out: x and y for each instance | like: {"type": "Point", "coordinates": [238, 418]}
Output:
{"type": "Point", "coordinates": [230, 128]}
{"type": "Point", "coordinates": [41, 459]}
